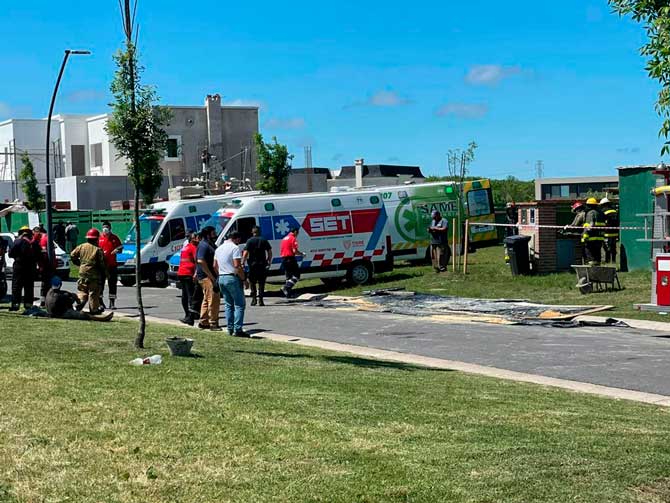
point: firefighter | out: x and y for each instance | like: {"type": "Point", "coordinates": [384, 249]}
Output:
{"type": "Point", "coordinates": [579, 210]}
{"type": "Point", "coordinates": [592, 236]}
{"type": "Point", "coordinates": [611, 235]}
{"type": "Point", "coordinates": [25, 255]}
{"type": "Point", "coordinates": [92, 271]}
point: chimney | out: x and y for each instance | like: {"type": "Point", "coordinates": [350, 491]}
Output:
{"type": "Point", "coordinates": [358, 163]}
{"type": "Point", "coordinates": [214, 127]}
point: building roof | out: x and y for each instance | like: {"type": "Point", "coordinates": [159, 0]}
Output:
{"type": "Point", "coordinates": [641, 166]}
{"type": "Point", "coordinates": [578, 179]}
{"type": "Point", "coordinates": [316, 171]}
{"type": "Point", "coordinates": [380, 170]}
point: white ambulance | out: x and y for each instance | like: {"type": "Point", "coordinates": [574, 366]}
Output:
{"type": "Point", "coordinates": [341, 235]}
{"type": "Point", "coordinates": [163, 229]}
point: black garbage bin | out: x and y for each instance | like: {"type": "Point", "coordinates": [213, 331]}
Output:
{"type": "Point", "coordinates": [517, 251]}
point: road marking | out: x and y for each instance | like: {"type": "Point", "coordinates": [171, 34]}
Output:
{"type": "Point", "coordinates": [439, 363]}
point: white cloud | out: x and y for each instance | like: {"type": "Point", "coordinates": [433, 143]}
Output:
{"type": "Point", "coordinates": [5, 110]}
{"type": "Point", "coordinates": [275, 123]}
{"type": "Point", "coordinates": [244, 103]}
{"type": "Point", "coordinates": [387, 99]}
{"type": "Point", "coordinates": [490, 75]}
{"type": "Point", "coordinates": [463, 110]}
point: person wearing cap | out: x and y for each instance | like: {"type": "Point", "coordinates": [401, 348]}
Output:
{"type": "Point", "coordinates": [439, 242]}
{"type": "Point", "coordinates": [60, 304]}
{"type": "Point", "coordinates": [592, 235]}
{"type": "Point", "coordinates": [110, 244]}
{"type": "Point", "coordinates": [92, 271]}
{"type": "Point", "coordinates": [611, 235]}
{"type": "Point", "coordinates": [25, 255]}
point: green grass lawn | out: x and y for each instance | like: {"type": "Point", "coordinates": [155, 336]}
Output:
{"type": "Point", "coordinates": [255, 421]}
{"type": "Point", "coordinates": [489, 277]}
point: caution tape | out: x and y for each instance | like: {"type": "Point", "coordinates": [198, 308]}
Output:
{"type": "Point", "coordinates": [536, 226]}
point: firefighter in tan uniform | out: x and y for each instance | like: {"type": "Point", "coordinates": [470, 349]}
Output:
{"type": "Point", "coordinates": [92, 271]}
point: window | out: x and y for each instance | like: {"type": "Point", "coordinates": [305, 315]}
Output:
{"type": "Point", "coordinates": [479, 202]}
{"type": "Point", "coordinates": [565, 191]}
{"type": "Point", "coordinates": [269, 207]}
{"type": "Point", "coordinates": [96, 155]}
{"type": "Point", "coordinates": [374, 200]}
{"type": "Point", "coordinates": [243, 226]}
{"type": "Point", "coordinates": [174, 230]}
{"type": "Point", "coordinates": [531, 213]}
{"type": "Point", "coordinates": [336, 202]}
{"type": "Point", "coordinates": [173, 148]}
{"type": "Point", "coordinates": [402, 194]}
{"type": "Point", "coordinates": [148, 227]}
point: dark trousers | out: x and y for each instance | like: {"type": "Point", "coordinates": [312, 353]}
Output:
{"type": "Point", "coordinates": [610, 249]}
{"type": "Point", "coordinates": [292, 272]}
{"type": "Point", "coordinates": [23, 284]}
{"type": "Point", "coordinates": [257, 276]}
{"type": "Point", "coordinates": [112, 280]}
{"type": "Point", "coordinates": [187, 294]}
{"type": "Point", "coordinates": [196, 300]}
{"type": "Point", "coordinates": [593, 251]}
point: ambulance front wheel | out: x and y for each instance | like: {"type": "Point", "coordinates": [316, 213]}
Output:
{"type": "Point", "coordinates": [359, 273]}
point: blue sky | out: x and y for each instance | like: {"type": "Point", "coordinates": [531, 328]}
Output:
{"type": "Point", "coordinates": [393, 82]}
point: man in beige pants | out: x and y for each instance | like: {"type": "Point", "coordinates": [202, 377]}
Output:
{"type": "Point", "coordinates": [206, 275]}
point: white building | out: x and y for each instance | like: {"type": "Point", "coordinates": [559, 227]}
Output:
{"type": "Point", "coordinates": [80, 146]}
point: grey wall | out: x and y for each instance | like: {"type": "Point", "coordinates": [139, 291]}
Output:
{"type": "Point", "coordinates": [239, 125]}
{"type": "Point", "coordinates": [191, 124]}
{"type": "Point", "coordinates": [297, 183]}
{"type": "Point", "coordinates": [95, 192]}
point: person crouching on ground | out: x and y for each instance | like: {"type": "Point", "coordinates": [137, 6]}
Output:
{"type": "Point", "coordinates": [258, 256]}
{"type": "Point", "coordinates": [110, 244]}
{"type": "Point", "coordinates": [439, 242]}
{"type": "Point", "coordinates": [59, 304]}
{"type": "Point", "coordinates": [206, 275]}
{"type": "Point", "coordinates": [92, 271]}
{"type": "Point", "coordinates": [289, 251]}
{"type": "Point", "coordinates": [228, 261]}
{"type": "Point", "coordinates": [186, 275]}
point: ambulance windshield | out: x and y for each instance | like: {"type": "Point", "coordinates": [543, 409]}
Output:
{"type": "Point", "coordinates": [218, 221]}
{"type": "Point", "coordinates": [148, 229]}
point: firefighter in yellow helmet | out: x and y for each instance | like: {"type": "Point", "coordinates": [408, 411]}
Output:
{"type": "Point", "coordinates": [592, 236]}
{"type": "Point", "coordinates": [92, 271]}
{"type": "Point", "coordinates": [611, 235]}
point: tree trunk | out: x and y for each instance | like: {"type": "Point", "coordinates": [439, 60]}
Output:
{"type": "Point", "coordinates": [139, 340]}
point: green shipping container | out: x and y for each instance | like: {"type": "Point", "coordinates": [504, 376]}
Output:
{"type": "Point", "coordinates": [635, 184]}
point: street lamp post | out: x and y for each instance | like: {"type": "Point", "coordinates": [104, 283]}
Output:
{"type": "Point", "coordinates": [47, 188]}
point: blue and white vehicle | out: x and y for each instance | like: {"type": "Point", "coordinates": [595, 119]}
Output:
{"type": "Point", "coordinates": [162, 233]}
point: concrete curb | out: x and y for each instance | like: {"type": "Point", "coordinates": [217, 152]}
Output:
{"type": "Point", "coordinates": [438, 363]}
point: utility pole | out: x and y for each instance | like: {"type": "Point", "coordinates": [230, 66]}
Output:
{"type": "Point", "coordinates": [308, 168]}
{"type": "Point", "coordinates": [539, 169]}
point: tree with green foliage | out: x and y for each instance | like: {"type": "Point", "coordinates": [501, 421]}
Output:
{"type": "Point", "coordinates": [655, 15]}
{"type": "Point", "coordinates": [274, 165]}
{"type": "Point", "coordinates": [136, 130]}
{"type": "Point", "coordinates": [512, 190]}
{"type": "Point", "coordinates": [29, 185]}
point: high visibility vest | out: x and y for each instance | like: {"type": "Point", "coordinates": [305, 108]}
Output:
{"type": "Point", "coordinates": [611, 220]}
{"type": "Point", "coordinates": [594, 220]}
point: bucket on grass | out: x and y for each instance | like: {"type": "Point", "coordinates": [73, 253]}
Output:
{"type": "Point", "coordinates": [179, 346]}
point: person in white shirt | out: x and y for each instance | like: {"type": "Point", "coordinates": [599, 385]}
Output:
{"type": "Point", "coordinates": [228, 260]}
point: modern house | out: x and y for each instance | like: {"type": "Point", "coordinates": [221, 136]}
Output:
{"type": "Point", "coordinates": [573, 187]}
{"type": "Point", "coordinates": [80, 147]}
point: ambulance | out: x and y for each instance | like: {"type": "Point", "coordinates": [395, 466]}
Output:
{"type": "Point", "coordinates": [342, 236]}
{"type": "Point", "coordinates": [409, 210]}
{"type": "Point", "coordinates": [163, 229]}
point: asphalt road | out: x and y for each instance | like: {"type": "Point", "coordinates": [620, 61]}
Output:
{"type": "Point", "coordinates": [618, 357]}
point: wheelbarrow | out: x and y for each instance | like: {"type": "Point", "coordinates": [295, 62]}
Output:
{"type": "Point", "coordinates": [595, 278]}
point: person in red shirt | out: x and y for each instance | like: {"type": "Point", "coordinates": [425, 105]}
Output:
{"type": "Point", "coordinates": [186, 275]}
{"type": "Point", "coordinates": [110, 244]}
{"type": "Point", "coordinates": [289, 251]}
{"type": "Point", "coordinates": [40, 240]}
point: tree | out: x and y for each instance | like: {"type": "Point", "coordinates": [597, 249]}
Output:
{"type": "Point", "coordinates": [458, 164]}
{"type": "Point", "coordinates": [29, 184]}
{"type": "Point", "coordinates": [136, 130]}
{"type": "Point", "coordinates": [655, 14]}
{"type": "Point", "coordinates": [511, 189]}
{"type": "Point", "coordinates": [274, 165]}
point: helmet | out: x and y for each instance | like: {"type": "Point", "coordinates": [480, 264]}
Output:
{"type": "Point", "coordinates": [576, 205]}
{"type": "Point", "coordinates": [93, 234]}
{"type": "Point", "coordinates": [510, 205]}
{"type": "Point", "coordinates": [604, 200]}
{"type": "Point", "coordinates": [591, 200]}
{"type": "Point", "coordinates": [25, 228]}
{"type": "Point", "coordinates": [56, 282]}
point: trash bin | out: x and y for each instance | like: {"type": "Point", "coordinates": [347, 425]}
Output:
{"type": "Point", "coordinates": [519, 258]}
